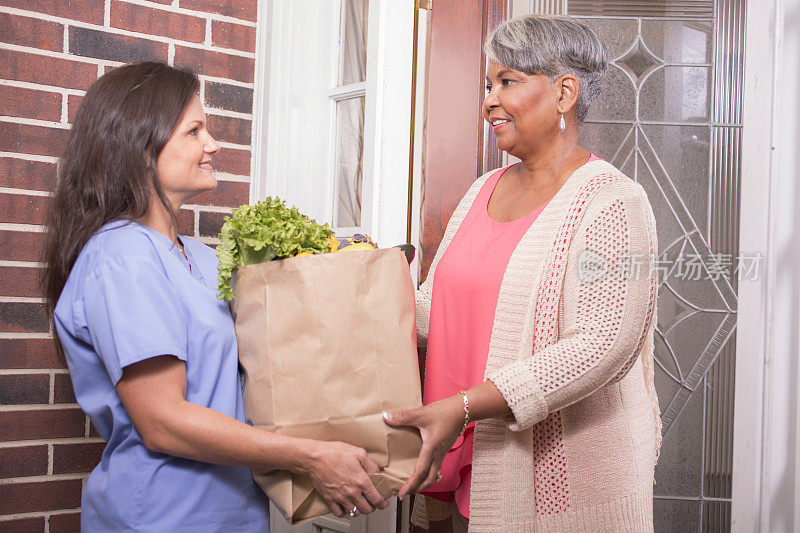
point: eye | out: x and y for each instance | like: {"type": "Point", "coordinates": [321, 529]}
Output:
{"type": "Point", "coordinates": [506, 82]}
{"type": "Point", "coordinates": [193, 131]}
{"type": "Point", "coordinates": [488, 87]}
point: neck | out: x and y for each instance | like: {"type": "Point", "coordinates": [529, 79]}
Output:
{"type": "Point", "coordinates": [157, 217]}
{"type": "Point", "coordinates": [551, 164]}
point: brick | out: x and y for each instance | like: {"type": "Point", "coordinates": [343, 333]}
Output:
{"type": "Point", "coordinates": [23, 317]}
{"type": "Point", "coordinates": [232, 161]}
{"type": "Point", "coordinates": [185, 222]}
{"type": "Point", "coordinates": [46, 70]}
{"type": "Point", "coordinates": [210, 223]}
{"type": "Point", "coordinates": [230, 97]}
{"type": "Point", "coordinates": [215, 63]}
{"type": "Point", "coordinates": [29, 353]}
{"type": "Point", "coordinates": [22, 389]}
{"type": "Point", "coordinates": [230, 35]}
{"type": "Point", "coordinates": [65, 523]}
{"type": "Point", "coordinates": [241, 9]}
{"type": "Point", "coordinates": [73, 102]}
{"type": "Point", "coordinates": [29, 103]}
{"type": "Point", "coordinates": [20, 281]}
{"type": "Point", "coordinates": [42, 424]}
{"type": "Point", "coordinates": [76, 458]}
{"type": "Point", "coordinates": [62, 389]}
{"type": "Point", "coordinates": [93, 431]}
{"type": "Point", "coordinates": [103, 45]}
{"type": "Point", "coordinates": [21, 245]}
{"type": "Point", "coordinates": [24, 525]}
{"type": "Point", "coordinates": [227, 194]}
{"type": "Point", "coordinates": [22, 209]}
{"type": "Point", "coordinates": [23, 461]}
{"type": "Point", "coordinates": [229, 129]}
{"type": "Point", "coordinates": [21, 174]}
{"type": "Point", "coordinates": [26, 31]}
{"type": "Point", "coordinates": [40, 496]}
{"type": "Point", "coordinates": [28, 139]}
{"type": "Point", "coordinates": [157, 22]}
{"type": "Point", "coordinates": [83, 10]}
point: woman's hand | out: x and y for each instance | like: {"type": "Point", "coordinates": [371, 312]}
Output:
{"type": "Point", "coordinates": [439, 424]}
{"type": "Point", "coordinates": [339, 473]}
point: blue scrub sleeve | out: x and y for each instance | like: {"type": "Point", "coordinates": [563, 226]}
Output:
{"type": "Point", "coordinates": [132, 313]}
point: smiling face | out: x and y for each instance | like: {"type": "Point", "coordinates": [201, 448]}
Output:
{"type": "Point", "coordinates": [523, 109]}
{"type": "Point", "coordinates": [184, 164]}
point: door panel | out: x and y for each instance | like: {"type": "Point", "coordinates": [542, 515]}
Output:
{"type": "Point", "coordinates": [670, 117]}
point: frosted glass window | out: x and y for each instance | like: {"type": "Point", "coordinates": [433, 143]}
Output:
{"type": "Point", "coordinates": [354, 42]}
{"type": "Point", "coordinates": [349, 176]}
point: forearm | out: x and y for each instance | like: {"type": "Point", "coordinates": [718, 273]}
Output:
{"type": "Point", "coordinates": [202, 434]}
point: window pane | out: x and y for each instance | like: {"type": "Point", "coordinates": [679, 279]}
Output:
{"type": "Point", "coordinates": [350, 147]}
{"type": "Point", "coordinates": [354, 42]}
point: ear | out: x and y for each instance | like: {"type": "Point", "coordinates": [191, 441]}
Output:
{"type": "Point", "coordinates": [569, 86]}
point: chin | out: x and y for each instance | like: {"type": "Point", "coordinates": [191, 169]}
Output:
{"type": "Point", "coordinates": [210, 185]}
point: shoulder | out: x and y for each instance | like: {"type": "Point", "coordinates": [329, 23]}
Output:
{"type": "Point", "coordinates": [606, 185]}
{"type": "Point", "coordinates": [118, 242]}
{"type": "Point", "coordinates": [119, 246]}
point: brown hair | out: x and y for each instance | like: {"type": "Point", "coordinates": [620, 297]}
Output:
{"type": "Point", "coordinates": [108, 166]}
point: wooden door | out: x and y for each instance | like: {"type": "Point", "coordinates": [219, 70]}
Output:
{"type": "Point", "coordinates": [458, 147]}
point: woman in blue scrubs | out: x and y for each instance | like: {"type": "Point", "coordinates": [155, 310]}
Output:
{"type": "Point", "coordinates": [152, 352]}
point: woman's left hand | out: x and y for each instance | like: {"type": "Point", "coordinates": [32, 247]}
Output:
{"type": "Point", "coordinates": [439, 424]}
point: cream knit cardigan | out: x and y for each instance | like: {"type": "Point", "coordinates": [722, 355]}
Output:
{"type": "Point", "coordinates": [571, 351]}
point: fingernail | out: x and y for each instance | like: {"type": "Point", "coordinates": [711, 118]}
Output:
{"type": "Point", "coordinates": [387, 416]}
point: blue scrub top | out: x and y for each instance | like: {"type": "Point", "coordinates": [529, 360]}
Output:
{"type": "Point", "coordinates": [132, 295]}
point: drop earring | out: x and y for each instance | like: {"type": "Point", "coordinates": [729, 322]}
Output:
{"type": "Point", "coordinates": [561, 124]}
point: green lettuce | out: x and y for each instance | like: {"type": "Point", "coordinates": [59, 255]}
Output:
{"type": "Point", "coordinates": [263, 232]}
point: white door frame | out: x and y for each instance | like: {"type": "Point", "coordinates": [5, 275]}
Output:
{"type": "Point", "coordinates": [766, 470]}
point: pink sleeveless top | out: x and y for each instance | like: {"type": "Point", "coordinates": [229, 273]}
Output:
{"type": "Point", "coordinates": [466, 286]}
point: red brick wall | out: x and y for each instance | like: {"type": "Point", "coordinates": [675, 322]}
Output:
{"type": "Point", "coordinates": [50, 52]}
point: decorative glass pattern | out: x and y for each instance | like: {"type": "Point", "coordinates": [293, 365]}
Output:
{"type": "Point", "coordinates": [642, 8]}
{"type": "Point", "coordinates": [670, 117]}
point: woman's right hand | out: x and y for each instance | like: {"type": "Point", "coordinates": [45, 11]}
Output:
{"type": "Point", "coordinates": [339, 472]}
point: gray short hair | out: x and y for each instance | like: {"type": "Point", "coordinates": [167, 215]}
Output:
{"type": "Point", "coordinates": [553, 46]}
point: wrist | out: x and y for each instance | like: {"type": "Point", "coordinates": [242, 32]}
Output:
{"type": "Point", "coordinates": [306, 452]}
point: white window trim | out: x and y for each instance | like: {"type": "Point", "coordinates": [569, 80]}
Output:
{"type": "Point", "coordinates": [766, 467]}
{"type": "Point", "coordinates": [387, 131]}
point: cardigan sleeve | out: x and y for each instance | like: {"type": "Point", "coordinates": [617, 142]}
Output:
{"type": "Point", "coordinates": [606, 304]}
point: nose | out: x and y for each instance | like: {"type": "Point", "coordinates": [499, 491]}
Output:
{"type": "Point", "coordinates": [211, 146]}
{"type": "Point", "coordinates": [490, 101]}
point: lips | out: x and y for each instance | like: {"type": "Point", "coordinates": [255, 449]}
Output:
{"type": "Point", "coordinates": [498, 122]}
{"type": "Point", "coordinates": [206, 165]}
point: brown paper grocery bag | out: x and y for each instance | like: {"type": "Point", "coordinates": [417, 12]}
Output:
{"type": "Point", "coordinates": [327, 343]}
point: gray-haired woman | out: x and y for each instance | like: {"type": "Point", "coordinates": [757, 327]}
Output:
{"type": "Point", "coordinates": [538, 311]}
